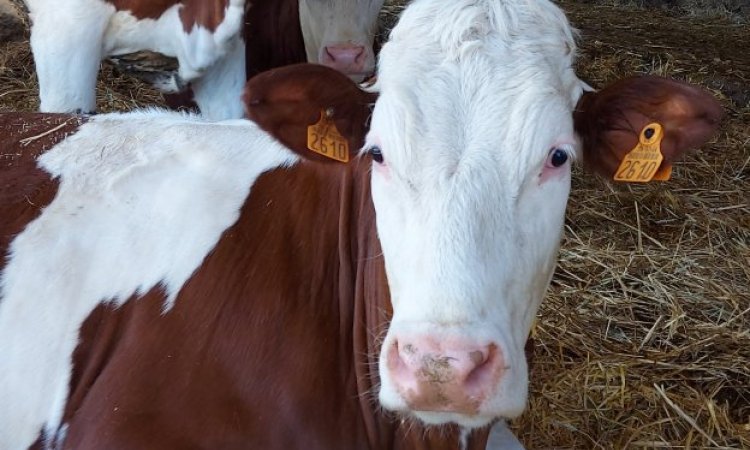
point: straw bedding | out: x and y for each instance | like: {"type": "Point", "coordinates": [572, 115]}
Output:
{"type": "Point", "coordinates": [644, 338]}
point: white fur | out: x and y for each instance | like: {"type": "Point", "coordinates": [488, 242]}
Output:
{"type": "Point", "coordinates": [331, 22]}
{"type": "Point", "coordinates": [67, 47]}
{"type": "Point", "coordinates": [226, 75]}
{"type": "Point", "coordinates": [69, 42]}
{"type": "Point", "coordinates": [156, 190]}
{"type": "Point", "coordinates": [501, 438]}
{"type": "Point", "coordinates": [474, 95]}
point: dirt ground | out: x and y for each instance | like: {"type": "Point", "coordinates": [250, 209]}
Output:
{"type": "Point", "coordinates": [643, 340]}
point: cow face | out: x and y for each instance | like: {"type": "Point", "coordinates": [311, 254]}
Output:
{"type": "Point", "coordinates": [340, 34]}
{"type": "Point", "coordinates": [470, 179]}
{"type": "Point", "coordinates": [470, 183]}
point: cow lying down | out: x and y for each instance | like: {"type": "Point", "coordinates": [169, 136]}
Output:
{"type": "Point", "coordinates": [175, 283]}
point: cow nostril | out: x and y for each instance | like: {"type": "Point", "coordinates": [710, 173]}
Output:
{"type": "Point", "coordinates": [396, 362]}
{"type": "Point", "coordinates": [360, 54]}
{"type": "Point", "coordinates": [484, 365]}
{"type": "Point", "coordinates": [478, 357]}
{"type": "Point", "coordinates": [330, 55]}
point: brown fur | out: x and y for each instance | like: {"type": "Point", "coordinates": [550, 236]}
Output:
{"type": "Point", "coordinates": [206, 13]}
{"type": "Point", "coordinates": [144, 9]}
{"type": "Point", "coordinates": [25, 189]}
{"type": "Point", "coordinates": [610, 121]}
{"type": "Point", "coordinates": [273, 36]}
{"type": "Point", "coordinates": [272, 344]}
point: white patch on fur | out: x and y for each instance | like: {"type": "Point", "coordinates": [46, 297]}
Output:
{"type": "Point", "coordinates": [143, 197]}
{"type": "Point", "coordinates": [473, 95]}
{"type": "Point", "coordinates": [86, 31]}
{"type": "Point", "coordinates": [218, 92]}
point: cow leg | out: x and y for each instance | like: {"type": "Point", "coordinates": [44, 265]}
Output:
{"type": "Point", "coordinates": [218, 90]}
{"type": "Point", "coordinates": [501, 438]}
{"type": "Point", "coordinates": [67, 53]}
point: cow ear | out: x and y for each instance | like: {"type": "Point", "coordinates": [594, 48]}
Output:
{"type": "Point", "coordinates": [613, 121]}
{"type": "Point", "coordinates": [314, 110]}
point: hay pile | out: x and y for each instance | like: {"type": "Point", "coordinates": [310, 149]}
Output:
{"type": "Point", "coordinates": [644, 338]}
{"type": "Point", "coordinates": [19, 90]}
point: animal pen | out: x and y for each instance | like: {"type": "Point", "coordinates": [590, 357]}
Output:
{"type": "Point", "coordinates": [643, 340]}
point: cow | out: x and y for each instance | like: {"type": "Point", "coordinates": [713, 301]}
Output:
{"type": "Point", "coordinates": [348, 269]}
{"type": "Point", "coordinates": [206, 37]}
{"type": "Point", "coordinates": [336, 33]}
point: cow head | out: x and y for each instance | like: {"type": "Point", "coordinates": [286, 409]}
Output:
{"type": "Point", "coordinates": [471, 173]}
{"type": "Point", "coordinates": [340, 34]}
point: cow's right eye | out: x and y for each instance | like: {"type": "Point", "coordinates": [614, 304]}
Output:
{"type": "Point", "coordinates": [376, 153]}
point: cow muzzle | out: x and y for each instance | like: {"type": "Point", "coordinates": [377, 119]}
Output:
{"type": "Point", "coordinates": [451, 375]}
{"type": "Point", "coordinates": [352, 59]}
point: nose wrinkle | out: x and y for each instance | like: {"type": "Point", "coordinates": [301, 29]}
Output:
{"type": "Point", "coordinates": [437, 369]}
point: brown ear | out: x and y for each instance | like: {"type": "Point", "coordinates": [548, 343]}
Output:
{"type": "Point", "coordinates": [287, 101]}
{"type": "Point", "coordinates": [610, 121]}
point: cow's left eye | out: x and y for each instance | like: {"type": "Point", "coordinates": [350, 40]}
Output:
{"type": "Point", "coordinates": [376, 153]}
{"type": "Point", "coordinates": [557, 157]}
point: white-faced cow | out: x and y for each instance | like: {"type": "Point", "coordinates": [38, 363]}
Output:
{"type": "Point", "coordinates": [206, 37]}
{"type": "Point", "coordinates": [175, 283]}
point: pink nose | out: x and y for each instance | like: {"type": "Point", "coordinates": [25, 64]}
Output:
{"type": "Point", "coordinates": [346, 58]}
{"type": "Point", "coordinates": [448, 376]}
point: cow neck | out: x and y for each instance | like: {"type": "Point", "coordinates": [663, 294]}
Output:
{"type": "Point", "coordinates": [300, 270]}
{"type": "Point", "coordinates": [273, 37]}
{"type": "Point", "coordinates": [369, 304]}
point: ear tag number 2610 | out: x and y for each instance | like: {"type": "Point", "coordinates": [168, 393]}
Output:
{"type": "Point", "coordinates": [324, 139]}
{"type": "Point", "coordinates": [642, 164]}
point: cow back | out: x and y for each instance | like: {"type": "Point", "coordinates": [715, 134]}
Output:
{"type": "Point", "coordinates": [25, 189]}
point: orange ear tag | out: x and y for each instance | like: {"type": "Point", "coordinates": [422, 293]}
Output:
{"type": "Point", "coordinates": [324, 139]}
{"type": "Point", "coordinates": [642, 164]}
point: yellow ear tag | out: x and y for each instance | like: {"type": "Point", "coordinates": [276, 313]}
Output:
{"type": "Point", "coordinates": [642, 164]}
{"type": "Point", "coordinates": [324, 139]}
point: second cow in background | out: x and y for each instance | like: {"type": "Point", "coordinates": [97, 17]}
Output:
{"type": "Point", "coordinates": [206, 37]}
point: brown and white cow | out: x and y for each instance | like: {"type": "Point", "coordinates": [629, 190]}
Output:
{"type": "Point", "coordinates": [176, 283]}
{"type": "Point", "coordinates": [206, 37]}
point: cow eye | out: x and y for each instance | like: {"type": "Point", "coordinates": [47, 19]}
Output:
{"type": "Point", "coordinates": [376, 153]}
{"type": "Point", "coordinates": [557, 157]}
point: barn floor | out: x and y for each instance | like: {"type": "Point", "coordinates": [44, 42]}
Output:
{"type": "Point", "coordinates": [644, 338]}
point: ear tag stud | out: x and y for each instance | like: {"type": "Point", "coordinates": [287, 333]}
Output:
{"type": "Point", "coordinates": [324, 139]}
{"type": "Point", "coordinates": [644, 162]}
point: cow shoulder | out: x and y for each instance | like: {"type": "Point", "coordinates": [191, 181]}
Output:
{"type": "Point", "coordinates": [25, 188]}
